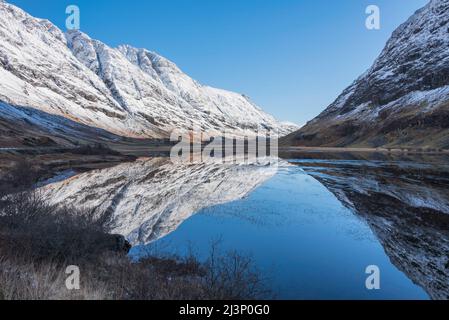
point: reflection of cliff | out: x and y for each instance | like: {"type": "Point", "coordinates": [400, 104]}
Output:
{"type": "Point", "coordinates": [407, 207]}
{"type": "Point", "coordinates": [150, 198]}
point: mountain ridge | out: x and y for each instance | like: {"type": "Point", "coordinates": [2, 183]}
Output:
{"type": "Point", "coordinates": [84, 80]}
{"type": "Point", "coordinates": [402, 100]}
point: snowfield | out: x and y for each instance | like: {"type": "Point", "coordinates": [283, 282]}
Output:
{"type": "Point", "coordinates": [126, 91]}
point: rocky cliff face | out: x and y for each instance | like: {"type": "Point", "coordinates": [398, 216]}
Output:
{"type": "Point", "coordinates": [402, 100]}
{"type": "Point", "coordinates": [126, 91]}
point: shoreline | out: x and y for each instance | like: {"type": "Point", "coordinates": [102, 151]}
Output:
{"type": "Point", "coordinates": [365, 150]}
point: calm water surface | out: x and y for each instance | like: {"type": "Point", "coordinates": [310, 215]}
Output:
{"type": "Point", "coordinates": [312, 225]}
{"type": "Point", "coordinates": [315, 226]}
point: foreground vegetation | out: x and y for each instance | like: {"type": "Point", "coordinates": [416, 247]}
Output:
{"type": "Point", "coordinates": [38, 241]}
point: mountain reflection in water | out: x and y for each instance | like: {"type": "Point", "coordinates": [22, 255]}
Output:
{"type": "Point", "coordinates": [403, 202]}
{"type": "Point", "coordinates": [147, 199]}
{"type": "Point", "coordinates": [406, 204]}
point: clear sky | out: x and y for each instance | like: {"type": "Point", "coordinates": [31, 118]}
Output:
{"type": "Point", "coordinates": [292, 57]}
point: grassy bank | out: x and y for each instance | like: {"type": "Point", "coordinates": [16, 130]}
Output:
{"type": "Point", "coordinates": [39, 241]}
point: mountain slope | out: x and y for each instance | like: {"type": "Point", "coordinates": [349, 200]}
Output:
{"type": "Point", "coordinates": [402, 100]}
{"type": "Point", "coordinates": [139, 95]}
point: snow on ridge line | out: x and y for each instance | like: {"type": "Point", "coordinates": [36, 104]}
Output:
{"type": "Point", "coordinates": [82, 79]}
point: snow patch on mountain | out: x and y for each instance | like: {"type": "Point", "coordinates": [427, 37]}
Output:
{"type": "Point", "coordinates": [400, 98]}
{"type": "Point", "coordinates": [126, 91]}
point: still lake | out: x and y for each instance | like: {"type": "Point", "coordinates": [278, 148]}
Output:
{"type": "Point", "coordinates": [312, 225]}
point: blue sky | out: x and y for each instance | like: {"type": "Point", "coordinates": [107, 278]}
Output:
{"type": "Point", "coordinates": [292, 57]}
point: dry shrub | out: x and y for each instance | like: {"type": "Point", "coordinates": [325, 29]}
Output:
{"type": "Point", "coordinates": [38, 241]}
{"type": "Point", "coordinates": [20, 177]}
{"type": "Point", "coordinates": [43, 232]}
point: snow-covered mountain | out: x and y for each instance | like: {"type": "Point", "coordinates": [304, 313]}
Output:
{"type": "Point", "coordinates": [126, 91]}
{"type": "Point", "coordinates": [402, 100]}
{"type": "Point", "coordinates": [147, 199]}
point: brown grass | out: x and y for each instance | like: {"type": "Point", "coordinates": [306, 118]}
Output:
{"type": "Point", "coordinates": [38, 241]}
